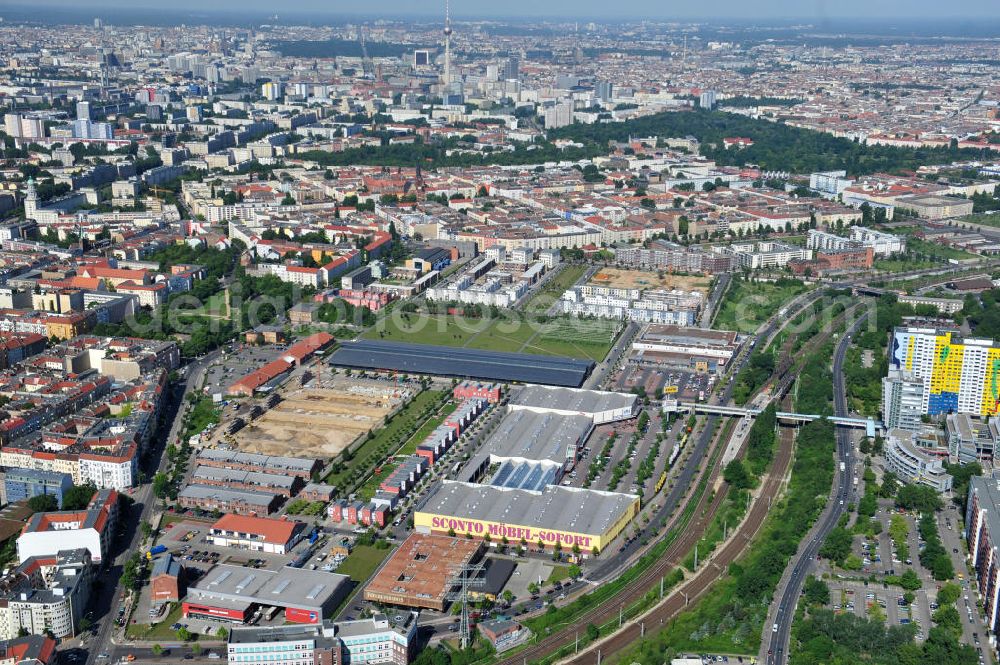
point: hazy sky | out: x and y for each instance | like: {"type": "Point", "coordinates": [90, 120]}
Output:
{"type": "Point", "coordinates": [904, 10]}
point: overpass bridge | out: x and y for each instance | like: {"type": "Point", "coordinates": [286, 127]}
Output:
{"type": "Point", "coordinates": [870, 425]}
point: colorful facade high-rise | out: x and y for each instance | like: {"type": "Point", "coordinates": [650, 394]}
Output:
{"type": "Point", "coordinates": [960, 375]}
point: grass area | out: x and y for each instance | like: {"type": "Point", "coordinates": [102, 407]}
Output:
{"type": "Point", "coordinates": [367, 491]}
{"type": "Point", "coordinates": [558, 574]}
{"type": "Point", "coordinates": [203, 414]}
{"type": "Point", "coordinates": [359, 565]}
{"type": "Point", "coordinates": [984, 218]}
{"type": "Point", "coordinates": [385, 441]}
{"type": "Point", "coordinates": [509, 336]}
{"type": "Point", "coordinates": [173, 518]}
{"type": "Point", "coordinates": [568, 337]}
{"type": "Point", "coordinates": [938, 250]}
{"type": "Point", "coordinates": [903, 265]}
{"type": "Point", "coordinates": [439, 329]}
{"type": "Point", "coordinates": [215, 306]}
{"type": "Point", "coordinates": [432, 423]}
{"type": "Point", "coordinates": [362, 562]}
{"type": "Point", "coordinates": [156, 631]}
{"type": "Point", "coordinates": [576, 338]}
{"type": "Point", "coordinates": [747, 304]}
{"type": "Point", "coordinates": [540, 302]}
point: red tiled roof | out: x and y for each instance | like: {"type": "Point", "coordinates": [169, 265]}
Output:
{"type": "Point", "coordinates": [272, 530]}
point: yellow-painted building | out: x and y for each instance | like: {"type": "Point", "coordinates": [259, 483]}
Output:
{"type": "Point", "coordinates": [568, 516]}
{"type": "Point", "coordinates": [960, 375]}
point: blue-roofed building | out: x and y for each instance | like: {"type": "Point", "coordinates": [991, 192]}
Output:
{"type": "Point", "coordinates": [22, 484]}
{"type": "Point", "coordinates": [479, 364]}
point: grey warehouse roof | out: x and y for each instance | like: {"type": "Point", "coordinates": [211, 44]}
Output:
{"type": "Point", "coordinates": [466, 363]}
{"type": "Point", "coordinates": [236, 585]}
{"type": "Point", "coordinates": [222, 494]}
{"type": "Point", "coordinates": [569, 399]}
{"type": "Point", "coordinates": [556, 507]}
{"type": "Point", "coordinates": [221, 474]}
{"type": "Point", "coordinates": [536, 437]}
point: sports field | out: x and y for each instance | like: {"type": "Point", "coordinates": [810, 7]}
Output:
{"type": "Point", "coordinates": [563, 336]}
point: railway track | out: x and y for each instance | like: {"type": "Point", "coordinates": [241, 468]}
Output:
{"type": "Point", "coordinates": [697, 585]}
{"type": "Point", "coordinates": [637, 588]}
{"type": "Point", "coordinates": [708, 574]}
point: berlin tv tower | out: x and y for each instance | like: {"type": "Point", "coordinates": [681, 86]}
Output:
{"type": "Point", "coordinates": [447, 45]}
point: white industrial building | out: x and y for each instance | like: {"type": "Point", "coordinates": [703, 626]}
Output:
{"type": "Point", "coordinates": [601, 407]}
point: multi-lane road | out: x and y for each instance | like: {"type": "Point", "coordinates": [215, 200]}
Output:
{"type": "Point", "coordinates": [778, 628]}
{"type": "Point", "coordinates": [108, 592]}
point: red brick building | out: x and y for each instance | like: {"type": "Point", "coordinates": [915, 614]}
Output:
{"type": "Point", "coordinates": [165, 580]}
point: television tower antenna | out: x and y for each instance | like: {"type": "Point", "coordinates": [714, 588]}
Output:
{"type": "Point", "coordinates": [447, 44]}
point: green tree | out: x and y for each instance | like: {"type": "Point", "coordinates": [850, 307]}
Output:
{"type": "Point", "coordinates": [909, 580]}
{"type": "Point", "coordinates": [78, 497]}
{"type": "Point", "coordinates": [157, 650]}
{"type": "Point", "coordinates": [736, 475]}
{"type": "Point", "coordinates": [837, 545]}
{"type": "Point", "coordinates": [43, 503]}
{"type": "Point", "coordinates": [161, 485]}
{"type": "Point", "coordinates": [816, 591]}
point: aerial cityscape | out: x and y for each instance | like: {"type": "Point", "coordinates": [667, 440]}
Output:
{"type": "Point", "coordinates": [465, 334]}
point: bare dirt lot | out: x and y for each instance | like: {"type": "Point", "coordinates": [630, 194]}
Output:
{"type": "Point", "coordinates": [318, 422]}
{"type": "Point", "coordinates": [642, 279]}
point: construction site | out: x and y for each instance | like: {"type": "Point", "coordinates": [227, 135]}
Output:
{"type": "Point", "coordinates": [320, 420]}
{"type": "Point", "coordinates": [641, 279]}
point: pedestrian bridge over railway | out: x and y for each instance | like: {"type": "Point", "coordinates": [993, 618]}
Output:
{"type": "Point", "coordinates": [870, 425]}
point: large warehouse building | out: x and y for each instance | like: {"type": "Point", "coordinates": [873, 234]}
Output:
{"type": "Point", "coordinates": [569, 516]}
{"type": "Point", "coordinates": [510, 488]}
{"type": "Point", "coordinates": [692, 349]}
{"type": "Point", "coordinates": [462, 363]}
{"type": "Point", "coordinates": [420, 573]}
{"type": "Point", "coordinates": [600, 407]}
{"type": "Point", "coordinates": [233, 593]}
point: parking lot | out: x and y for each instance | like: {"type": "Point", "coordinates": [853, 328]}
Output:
{"type": "Point", "coordinates": [682, 384]}
{"type": "Point", "coordinates": [235, 363]}
{"type": "Point", "coordinates": [859, 598]}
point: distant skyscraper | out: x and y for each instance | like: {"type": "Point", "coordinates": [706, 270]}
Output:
{"type": "Point", "coordinates": [83, 111]}
{"type": "Point", "coordinates": [512, 69]}
{"type": "Point", "coordinates": [272, 90]}
{"type": "Point", "coordinates": [604, 90]}
{"type": "Point", "coordinates": [421, 58]}
{"type": "Point", "coordinates": [98, 23]}
{"type": "Point", "coordinates": [707, 100]}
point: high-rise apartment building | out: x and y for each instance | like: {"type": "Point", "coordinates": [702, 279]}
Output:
{"type": "Point", "coordinates": [902, 400]}
{"type": "Point", "coordinates": [959, 375]}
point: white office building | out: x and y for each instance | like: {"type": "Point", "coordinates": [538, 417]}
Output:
{"type": "Point", "coordinates": [912, 464]}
